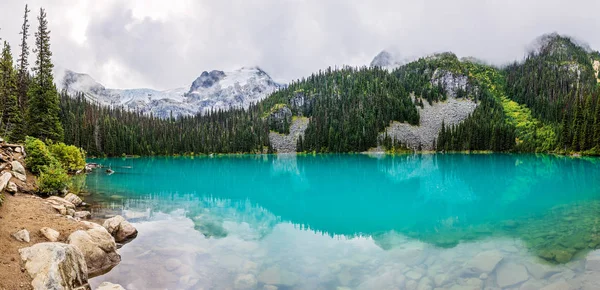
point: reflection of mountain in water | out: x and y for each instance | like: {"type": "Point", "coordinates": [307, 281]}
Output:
{"type": "Point", "coordinates": [441, 199]}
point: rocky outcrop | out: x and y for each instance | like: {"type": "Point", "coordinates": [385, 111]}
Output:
{"type": "Point", "coordinates": [109, 286]}
{"type": "Point", "coordinates": [450, 112]}
{"type": "Point", "coordinates": [55, 266]}
{"type": "Point", "coordinates": [302, 104]}
{"type": "Point", "coordinates": [120, 229]}
{"type": "Point", "coordinates": [50, 234]}
{"type": "Point", "coordinates": [74, 199]}
{"type": "Point", "coordinates": [98, 248]}
{"type": "Point", "coordinates": [18, 170]}
{"type": "Point", "coordinates": [280, 118]}
{"type": "Point", "coordinates": [22, 236]}
{"type": "Point", "coordinates": [287, 143]}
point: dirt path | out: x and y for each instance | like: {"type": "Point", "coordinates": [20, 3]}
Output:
{"type": "Point", "coordinates": [29, 212]}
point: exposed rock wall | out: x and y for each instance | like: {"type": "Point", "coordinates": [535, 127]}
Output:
{"type": "Point", "coordinates": [451, 112]}
{"type": "Point", "coordinates": [287, 143]}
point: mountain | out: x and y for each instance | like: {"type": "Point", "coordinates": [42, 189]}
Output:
{"type": "Point", "coordinates": [386, 60]}
{"type": "Point", "coordinates": [547, 102]}
{"type": "Point", "coordinates": [215, 90]}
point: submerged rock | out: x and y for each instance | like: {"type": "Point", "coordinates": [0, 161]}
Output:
{"type": "Point", "coordinates": [99, 249]}
{"type": "Point", "coordinates": [55, 266]}
{"type": "Point", "coordinates": [120, 229]}
{"type": "Point", "coordinates": [50, 234]}
{"type": "Point", "coordinates": [276, 276]}
{"type": "Point", "coordinates": [84, 214]}
{"type": "Point", "coordinates": [509, 274]}
{"type": "Point", "coordinates": [109, 286]}
{"type": "Point", "coordinates": [22, 236]}
{"type": "Point", "coordinates": [484, 262]}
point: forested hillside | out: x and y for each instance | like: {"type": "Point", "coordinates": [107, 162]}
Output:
{"type": "Point", "coordinates": [546, 103]}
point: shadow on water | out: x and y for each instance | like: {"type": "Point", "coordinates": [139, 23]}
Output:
{"type": "Point", "coordinates": [551, 203]}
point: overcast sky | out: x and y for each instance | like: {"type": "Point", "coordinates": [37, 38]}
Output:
{"type": "Point", "coordinates": [164, 44]}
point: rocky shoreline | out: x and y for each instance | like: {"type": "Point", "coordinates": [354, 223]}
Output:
{"type": "Point", "coordinates": [52, 243]}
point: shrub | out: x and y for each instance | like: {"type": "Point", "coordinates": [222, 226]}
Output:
{"type": "Point", "coordinates": [38, 155]}
{"type": "Point", "coordinates": [52, 179]}
{"type": "Point", "coordinates": [70, 157]}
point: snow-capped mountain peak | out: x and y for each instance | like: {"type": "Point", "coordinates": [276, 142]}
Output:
{"type": "Point", "coordinates": [386, 60]}
{"type": "Point", "coordinates": [210, 91]}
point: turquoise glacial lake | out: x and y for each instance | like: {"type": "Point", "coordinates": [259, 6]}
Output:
{"type": "Point", "coordinates": [447, 221]}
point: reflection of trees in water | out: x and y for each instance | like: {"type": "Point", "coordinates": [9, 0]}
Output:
{"type": "Point", "coordinates": [439, 199]}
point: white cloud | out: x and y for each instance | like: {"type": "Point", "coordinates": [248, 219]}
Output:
{"type": "Point", "coordinates": [164, 44]}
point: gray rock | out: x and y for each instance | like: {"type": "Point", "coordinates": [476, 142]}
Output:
{"type": "Point", "coordinates": [279, 117]}
{"type": "Point", "coordinates": [120, 229]}
{"type": "Point", "coordinates": [60, 202]}
{"type": "Point", "coordinates": [74, 199]}
{"type": "Point", "coordinates": [109, 286]}
{"type": "Point", "coordinates": [12, 187]}
{"type": "Point", "coordinates": [288, 143]}
{"type": "Point", "coordinates": [22, 236]}
{"type": "Point", "coordinates": [541, 271]}
{"type": "Point", "coordinates": [484, 262]}
{"type": "Point", "coordinates": [50, 234]}
{"type": "Point", "coordinates": [55, 266]}
{"type": "Point", "coordinates": [592, 261]}
{"type": "Point", "coordinates": [4, 179]}
{"type": "Point", "coordinates": [560, 285]}
{"type": "Point", "coordinates": [98, 248]}
{"type": "Point", "coordinates": [18, 170]}
{"type": "Point", "coordinates": [511, 274]}
{"type": "Point", "coordinates": [84, 214]}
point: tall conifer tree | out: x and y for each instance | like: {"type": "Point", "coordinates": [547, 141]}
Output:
{"type": "Point", "coordinates": [23, 63]}
{"type": "Point", "coordinates": [12, 119]}
{"type": "Point", "coordinates": [43, 104]}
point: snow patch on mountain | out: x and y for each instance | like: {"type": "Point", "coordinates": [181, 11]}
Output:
{"type": "Point", "coordinates": [215, 90]}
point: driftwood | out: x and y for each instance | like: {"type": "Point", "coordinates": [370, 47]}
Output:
{"type": "Point", "coordinates": [11, 145]}
{"type": "Point", "coordinates": [2, 166]}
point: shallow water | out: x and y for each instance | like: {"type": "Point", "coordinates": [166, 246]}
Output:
{"type": "Point", "coordinates": [354, 221]}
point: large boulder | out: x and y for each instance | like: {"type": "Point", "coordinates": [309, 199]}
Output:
{"type": "Point", "coordinates": [84, 214]}
{"type": "Point", "coordinates": [18, 170]}
{"type": "Point", "coordinates": [61, 205]}
{"type": "Point", "coordinates": [22, 236]}
{"type": "Point", "coordinates": [98, 248]}
{"type": "Point", "coordinates": [50, 234]}
{"type": "Point", "coordinates": [4, 179]}
{"type": "Point", "coordinates": [120, 229]}
{"type": "Point", "coordinates": [109, 286]}
{"type": "Point", "coordinates": [74, 199]}
{"type": "Point", "coordinates": [55, 266]}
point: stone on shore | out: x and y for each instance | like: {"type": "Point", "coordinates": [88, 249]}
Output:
{"type": "Point", "coordinates": [74, 199]}
{"type": "Point", "coordinates": [98, 248]}
{"type": "Point", "coordinates": [55, 266]}
{"type": "Point", "coordinates": [120, 229]}
{"type": "Point", "coordinates": [59, 201]}
{"type": "Point", "coordinates": [50, 234]}
{"type": "Point", "coordinates": [18, 170]}
{"type": "Point", "coordinates": [84, 215]}
{"type": "Point", "coordinates": [109, 286]}
{"type": "Point", "coordinates": [4, 179]}
{"type": "Point", "coordinates": [22, 236]}
{"type": "Point", "coordinates": [12, 188]}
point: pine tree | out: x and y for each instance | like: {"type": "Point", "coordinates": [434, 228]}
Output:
{"type": "Point", "coordinates": [577, 127]}
{"type": "Point", "coordinates": [597, 124]}
{"type": "Point", "coordinates": [43, 104]}
{"type": "Point", "coordinates": [23, 63]}
{"type": "Point", "coordinates": [12, 124]}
